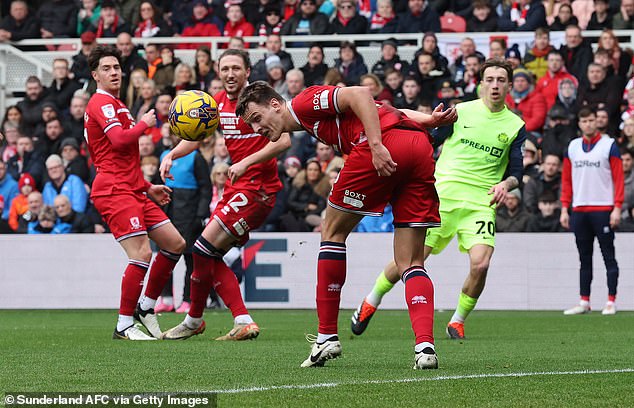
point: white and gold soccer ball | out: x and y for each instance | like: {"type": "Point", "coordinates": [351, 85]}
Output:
{"type": "Point", "coordinates": [193, 115]}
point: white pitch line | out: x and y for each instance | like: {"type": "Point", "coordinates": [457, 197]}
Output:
{"type": "Point", "coordinates": [417, 379]}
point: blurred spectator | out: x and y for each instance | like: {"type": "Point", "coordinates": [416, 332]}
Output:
{"type": "Point", "coordinates": [45, 221]}
{"type": "Point", "coordinates": [20, 203]}
{"type": "Point", "coordinates": [379, 93]}
{"type": "Point", "coordinates": [58, 18]}
{"type": "Point", "coordinates": [549, 179]}
{"type": "Point", "coordinates": [80, 71]}
{"type": "Point", "coordinates": [19, 24]}
{"type": "Point", "coordinates": [418, 18]}
{"type": "Point", "coordinates": [548, 84]}
{"type": "Point", "coordinates": [348, 20]}
{"type": "Point", "coordinates": [410, 97]}
{"type": "Point", "coordinates": [4, 225]}
{"type": "Point", "coordinates": [430, 46]}
{"type": "Point", "coordinates": [535, 57]}
{"type": "Point", "coordinates": [333, 77]}
{"type": "Point", "coordinates": [8, 190]}
{"type": "Point", "coordinates": [627, 157]}
{"type": "Point", "coordinates": [153, 59]}
{"type": "Point", "coordinates": [180, 13]}
{"type": "Point", "coordinates": [314, 70]}
{"type": "Point", "coordinates": [427, 76]}
{"type": "Point", "coordinates": [567, 96]}
{"type": "Point", "coordinates": [219, 176]}
{"type": "Point", "coordinates": [51, 141]}
{"type": "Point", "coordinates": [146, 146]}
{"type": "Point", "coordinates": [130, 60]}
{"type": "Point", "coordinates": [69, 221]}
{"type": "Point", "coordinates": [530, 161]}
{"type": "Point", "coordinates": [165, 74]}
{"type": "Point", "coordinates": [88, 15]}
{"type": "Point", "coordinates": [12, 116]}
{"type": "Point", "coordinates": [468, 86]}
{"type": "Point", "coordinates": [149, 168]}
{"type": "Point", "coordinates": [74, 163]}
{"type": "Point", "coordinates": [71, 186]}
{"type": "Point", "coordinates": [467, 47]}
{"type": "Point", "coordinates": [620, 60]}
{"type": "Point", "coordinates": [215, 86]}
{"type": "Point", "coordinates": [599, 90]}
{"type": "Point", "coordinates": [62, 88]}
{"type": "Point", "coordinates": [526, 101]}
{"type": "Point", "coordinates": [350, 63]}
{"type": "Point", "coordinates": [29, 218]}
{"type": "Point", "coordinates": [514, 56]}
{"type": "Point", "coordinates": [547, 218]}
{"type": "Point", "coordinates": [497, 48]}
{"type": "Point", "coordinates": [8, 142]}
{"type": "Point", "coordinates": [601, 17]}
{"type": "Point", "coordinates": [204, 68]}
{"type": "Point", "coordinates": [272, 22]}
{"type": "Point", "coordinates": [559, 131]}
{"type": "Point", "coordinates": [146, 99]}
{"type": "Point", "coordinates": [306, 21]}
{"type": "Point", "coordinates": [524, 15]}
{"type": "Point", "coordinates": [389, 59]}
{"type": "Point", "coordinates": [26, 161]}
{"type": "Point", "coordinates": [603, 123]}
{"type": "Point", "coordinates": [294, 82]}
{"type": "Point", "coordinates": [202, 23]}
{"type": "Point", "coordinates": [236, 43]}
{"type": "Point", "coordinates": [512, 216]}
{"type": "Point", "coordinates": [151, 22]}
{"type": "Point", "coordinates": [273, 47]}
{"type": "Point", "coordinates": [133, 91]}
{"type": "Point", "coordinates": [110, 24]}
{"type": "Point", "coordinates": [306, 200]}
{"type": "Point", "coordinates": [565, 17]}
{"type": "Point", "coordinates": [49, 112]}
{"type": "Point", "coordinates": [221, 153]}
{"type": "Point", "coordinates": [482, 18]}
{"type": "Point", "coordinates": [627, 138]}
{"type": "Point", "coordinates": [393, 83]}
{"type": "Point", "coordinates": [237, 25]}
{"type": "Point", "coordinates": [276, 74]}
{"type": "Point", "coordinates": [577, 52]}
{"type": "Point", "coordinates": [325, 156]}
{"type": "Point", "coordinates": [31, 105]}
{"type": "Point", "coordinates": [384, 223]}
{"type": "Point", "coordinates": [383, 19]}
{"type": "Point", "coordinates": [184, 80]}
{"type": "Point", "coordinates": [624, 18]}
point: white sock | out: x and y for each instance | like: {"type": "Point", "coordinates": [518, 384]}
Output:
{"type": "Point", "coordinates": [124, 322]}
{"type": "Point", "coordinates": [193, 322]}
{"type": "Point", "coordinates": [243, 319]}
{"type": "Point", "coordinates": [167, 300]}
{"type": "Point", "coordinates": [456, 318]}
{"type": "Point", "coordinates": [584, 303]}
{"type": "Point", "coordinates": [610, 303]}
{"type": "Point", "coordinates": [422, 346]}
{"type": "Point", "coordinates": [323, 337]}
{"type": "Point", "coordinates": [374, 298]}
{"type": "Point", "coordinates": [146, 303]}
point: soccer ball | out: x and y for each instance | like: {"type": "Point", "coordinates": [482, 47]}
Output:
{"type": "Point", "coordinates": [193, 115]}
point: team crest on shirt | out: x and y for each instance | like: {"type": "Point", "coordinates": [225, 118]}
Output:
{"type": "Point", "coordinates": [135, 223]}
{"type": "Point", "coordinates": [108, 111]}
{"type": "Point", "coordinates": [503, 138]}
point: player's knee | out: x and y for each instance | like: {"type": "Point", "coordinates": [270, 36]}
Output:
{"type": "Point", "coordinates": [179, 245]}
{"type": "Point", "coordinates": [144, 254]}
{"type": "Point", "coordinates": [480, 268]}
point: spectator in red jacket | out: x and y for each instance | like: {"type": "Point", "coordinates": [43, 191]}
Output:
{"type": "Point", "coordinates": [548, 85]}
{"type": "Point", "coordinates": [237, 25]}
{"type": "Point", "coordinates": [202, 24]}
{"type": "Point", "coordinates": [526, 101]}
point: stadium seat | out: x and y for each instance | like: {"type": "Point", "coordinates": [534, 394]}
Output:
{"type": "Point", "coordinates": [453, 24]}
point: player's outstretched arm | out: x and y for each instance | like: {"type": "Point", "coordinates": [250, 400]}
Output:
{"type": "Point", "coordinates": [184, 148]}
{"type": "Point", "coordinates": [437, 118]}
{"type": "Point", "coordinates": [271, 150]}
{"type": "Point", "coordinates": [359, 100]}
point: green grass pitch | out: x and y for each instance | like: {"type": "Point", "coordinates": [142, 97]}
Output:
{"type": "Point", "coordinates": [537, 359]}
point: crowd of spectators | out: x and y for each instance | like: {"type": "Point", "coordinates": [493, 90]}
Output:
{"type": "Point", "coordinates": [46, 172]}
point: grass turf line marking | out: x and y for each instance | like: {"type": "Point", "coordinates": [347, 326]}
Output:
{"type": "Point", "coordinates": [420, 379]}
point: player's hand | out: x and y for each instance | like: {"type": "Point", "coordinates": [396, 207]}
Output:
{"type": "Point", "coordinates": [442, 118]}
{"type": "Point", "coordinates": [615, 217]}
{"type": "Point", "coordinates": [564, 219]}
{"type": "Point", "coordinates": [499, 194]}
{"type": "Point", "coordinates": [160, 194]}
{"type": "Point", "coordinates": [236, 171]}
{"type": "Point", "coordinates": [149, 118]}
{"type": "Point", "coordinates": [166, 165]}
{"type": "Point", "coordinates": [382, 161]}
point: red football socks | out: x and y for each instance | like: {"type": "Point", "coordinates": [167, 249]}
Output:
{"type": "Point", "coordinates": [160, 273]}
{"type": "Point", "coordinates": [201, 281]}
{"type": "Point", "coordinates": [419, 295]}
{"type": "Point", "coordinates": [131, 286]}
{"type": "Point", "coordinates": [331, 275]}
{"type": "Point", "coordinates": [227, 287]}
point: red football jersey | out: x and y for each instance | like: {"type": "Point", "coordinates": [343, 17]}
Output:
{"type": "Point", "coordinates": [316, 110]}
{"type": "Point", "coordinates": [118, 169]}
{"type": "Point", "coordinates": [241, 142]}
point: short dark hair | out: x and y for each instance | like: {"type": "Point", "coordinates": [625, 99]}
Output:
{"type": "Point", "coordinates": [501, 41]}
{"type": "Point", "coordinates": [33, 80]}
{"type": "Point", "coordinates": [238, 53]}
{"type": "Point", "coordinates": [585, 112]}
{"type": "Point", "coordinates": [316, 45]}
{"type": "Point", "coordinates": [100, 52]}
{"type": "Point", "coordinates": [625, 150]}
{"type": "Point", "coordinates": [259, 93]}
{"type": "Point", "coordinates": [499, 63]}
{"type": "Point", "coordinates": [542, 31]}
{"type": "Point", "coordinates": [554, 52]}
